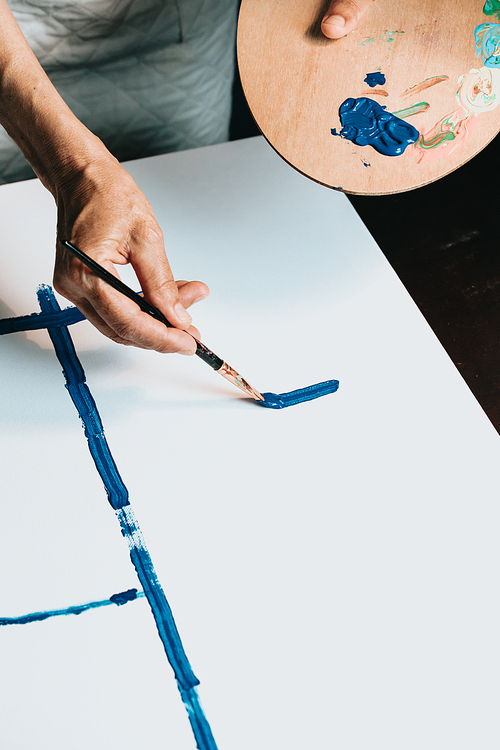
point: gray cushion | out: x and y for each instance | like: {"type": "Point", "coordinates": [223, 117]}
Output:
{"type": "Point", "coordinates": [147, 76]}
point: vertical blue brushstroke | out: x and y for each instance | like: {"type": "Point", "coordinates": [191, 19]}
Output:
{"type": "Point", "coordinates": [119, 500]}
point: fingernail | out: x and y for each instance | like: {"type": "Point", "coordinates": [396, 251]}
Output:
{"type": "Point", "coordinates": [186, 353]}
{"type": "Point", "coordinates": [334, 20]}
{"type": "Point", "coordinates": [200, 298]}
{"type": "Point", "coordinates": [181, 313]}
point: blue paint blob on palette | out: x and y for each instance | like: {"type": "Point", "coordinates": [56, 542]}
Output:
{"type": "Point", "coordinates": [366, 123]}
{"type": "Point", "coordinates": [311, 392]}
{"type": "Point", "coordinates": [375, 79]}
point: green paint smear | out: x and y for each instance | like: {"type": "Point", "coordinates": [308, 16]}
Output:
{"type": "Point", "coordinates": [415, 109]}
{"type": "Point", "coordinates": [391, 35]}
{"type": "Point", "coordinates": [439, 137]}
{"type": "Point", "coordinates": [386, 36]}
{"type": "Point", "coordinates": [491, 7]}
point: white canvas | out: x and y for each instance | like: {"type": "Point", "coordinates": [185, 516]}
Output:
{"type": "Point", "coordinates": [332, 567]}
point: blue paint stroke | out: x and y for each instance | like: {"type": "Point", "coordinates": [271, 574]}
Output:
{"type": "Point", "coordinates": [375, 79]}
{"type": "Point", "coordinates": [118, 599]}
{"type": "Point", "coordinates": [36, 321]}
{"type": "Point", "coordinates": [282, 400]}
{"type": "Point", "coordinates": [487, 39]}
{"type": "Point", "coordinates": [118, 499]}
{"type": "Point", "coordinates": [366, 123]}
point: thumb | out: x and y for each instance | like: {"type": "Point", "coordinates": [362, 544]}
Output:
{"type": "Point", "coordinates": [342, 17]}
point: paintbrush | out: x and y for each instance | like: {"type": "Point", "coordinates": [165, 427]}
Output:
{"type": "Point", "coordinates": [203, 352]}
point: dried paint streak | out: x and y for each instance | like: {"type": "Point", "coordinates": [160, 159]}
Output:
{"type": "Point", "coordinates": [487, 39]}
{"type": "Point", "coordinates": [282, 400]}
{"type": "Point", "coordinates": [390, 36]}
{"type": "Point", "coordinates": [477, 93]}
{"type": "Point", "coordinates": [415, 109]}
{"type": "Point", "coordinates": [424, 85]}
{"type": "Point", "coordinates": [386, 36]}
{"type": "Point", "coordinates": [366, 123]}
{"type": "Point", "coordinates": [491, 8]}
{"type": "Point", "coordinates": [375, 92]}
{"type": "Point", "coordinates": [375, 79]}
{"type": "Point", "coordinates": [118, 498]}
{"type": "Point", "coordinates": [117, 599]}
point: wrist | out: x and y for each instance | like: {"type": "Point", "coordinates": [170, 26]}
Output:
{"type": "Point", "coordinates": [56, 144]}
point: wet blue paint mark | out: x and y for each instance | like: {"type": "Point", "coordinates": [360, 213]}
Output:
{"type": "Point", "coordinates": [282, 400]}
{"type": "Point", "coordinates": [125, 596]}
{"type": "Point", "coordinates": [118, 498]}
{"type": "Point", "coordinates": [366, 123]}
{"type": "Point", "coordinates": [375, 79]}
{"type": "Point", "coordinates": [37, 321]}
{"type": "Point", "coordinates": [118, 599]}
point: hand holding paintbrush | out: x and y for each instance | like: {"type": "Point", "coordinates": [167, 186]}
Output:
{"type": "Point", "coordinates": [271, 400]}
{"type": "Point", "coordinates": [201, 350]}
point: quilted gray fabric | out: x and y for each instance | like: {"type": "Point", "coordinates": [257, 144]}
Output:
{"type": "Point", "coordinates": [147, 76]}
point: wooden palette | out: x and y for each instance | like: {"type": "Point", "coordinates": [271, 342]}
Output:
{"type": "Point", "coordinates": [295, 81]}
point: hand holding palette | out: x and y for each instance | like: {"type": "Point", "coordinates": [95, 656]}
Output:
{"type": "Point", "coordinates": [412, 91]}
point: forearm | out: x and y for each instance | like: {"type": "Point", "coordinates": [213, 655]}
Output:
{"type": "Point", "coordinates": [56, 144]}
{"type": "Point", "coordinates": [100, 208]}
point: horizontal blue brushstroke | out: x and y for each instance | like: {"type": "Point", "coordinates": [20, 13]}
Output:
{"type": "Point", "coordinates": [282, 400]}
{"type": "Point", "coordinates": [37, 321]}
{"type": "Point", "coordinates": [118, 499]}
{"type": "Point", "coordinates": [118, 599]}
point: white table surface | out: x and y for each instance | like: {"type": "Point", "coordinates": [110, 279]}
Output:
{"type": "Point", "coordinates": [332, 568]}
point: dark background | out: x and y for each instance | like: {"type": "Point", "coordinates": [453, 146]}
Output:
{"type": "Point", "coordinates": [442, 241]}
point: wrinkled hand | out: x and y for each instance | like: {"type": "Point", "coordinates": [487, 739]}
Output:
{"type": "Point", "coordinates": [342, 17]}
{"type": "Point", "coordinates": [102, 211]}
